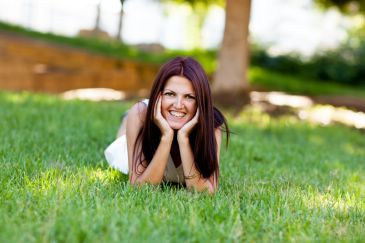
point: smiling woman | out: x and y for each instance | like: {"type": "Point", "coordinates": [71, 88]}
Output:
{"type": "Point", "coordinates": [178, 105]}
{"type": "Point", "coordinates": [174, 136]}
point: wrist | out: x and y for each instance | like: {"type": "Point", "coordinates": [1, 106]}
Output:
{"type": "Point", "coordinates": [182, 138]}
{"type": "Point", "coordinates": [167, 138]}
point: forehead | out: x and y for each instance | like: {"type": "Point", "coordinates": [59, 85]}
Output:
{"type": "Point", "coordinates": [179, 84]}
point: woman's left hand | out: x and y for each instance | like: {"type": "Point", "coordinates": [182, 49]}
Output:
{"type": "Point", "coordinates": [188, 127]}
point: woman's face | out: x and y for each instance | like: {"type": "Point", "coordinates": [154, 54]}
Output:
{"type": "Point", "coordinates": [178, 105]}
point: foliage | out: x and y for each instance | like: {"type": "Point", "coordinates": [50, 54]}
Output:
{"type": "Point", "coordinates": [343, 65]}
{"type": "Point", "coordinates": [265, 79]}
{"type": "Point", "coordinates": [346, 6]}
{"type": "Point", "coordinates": [197, 2]}
{"type": "Point", "coordinates": [200, 9]}
{"type": "Point", "coordinates": [282, 180]}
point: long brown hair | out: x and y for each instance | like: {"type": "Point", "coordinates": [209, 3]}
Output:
{"type": "Point", "coordinates": [202, 138]}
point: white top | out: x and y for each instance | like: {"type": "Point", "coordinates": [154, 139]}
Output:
{"type": "Point", "coordinates": [117, 156]}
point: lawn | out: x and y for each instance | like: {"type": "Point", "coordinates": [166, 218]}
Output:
{"type": "Point", "coordinates": [262, 78]}
{"type": "Point", "coordinates": [281, 180]}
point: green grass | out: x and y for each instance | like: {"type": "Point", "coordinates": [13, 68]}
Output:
{"type": "Point", "coordinates": [281, 180]}
{"type": "Point", "coordinates": [270, 80]}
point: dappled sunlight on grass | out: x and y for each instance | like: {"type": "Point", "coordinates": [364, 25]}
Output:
{"type": "Point", "coordinates": [281, 99]}
{"type": "Point", "coordinates": [279, 103]}
{"type": "Point", "coordinates": [282, 179]}
{"type": "Point", "coordinates": [94, 94]}
{"type": "Point", "coordinates": [25, 97]}
{"type": "Point", "coordinates": [327, 201]}
{"type": "Point", "coordinates": [326, 114]}
{"type": "Point", "coordinates": [252, 115]}
{"type": "Point", "coordinates": [68, 180]}
{"type": "Point", "coordinates": [14, 98]}
{"type": "Point", "coordinates": [256, 116]}
{"type": "Point", "coordinates": [105, 176]}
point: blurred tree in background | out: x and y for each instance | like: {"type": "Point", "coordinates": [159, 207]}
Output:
{"type": "Point", "coordinates": [120, 22]}
{"type": "Point", "coordinates": [346, 6]}
{"type": "Point", "coordinates": [200, 9]}
{"type": "Point", "coordinates": [230, 77]}
{"type": "Point", "coordinates": [345, 64]}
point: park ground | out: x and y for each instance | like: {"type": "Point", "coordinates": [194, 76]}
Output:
{"type": "Point", "coordinates": [284, 177]}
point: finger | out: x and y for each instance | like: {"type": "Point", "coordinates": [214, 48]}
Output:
{"type": "Point", "coordinates": [196, 115]}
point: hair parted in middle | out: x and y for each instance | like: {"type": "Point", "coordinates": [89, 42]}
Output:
{"type": "Point", "coordinates": [202, 138]}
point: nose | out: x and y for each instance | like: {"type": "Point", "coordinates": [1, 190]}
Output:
{"type": "Point", "coordinates": [178, 103]}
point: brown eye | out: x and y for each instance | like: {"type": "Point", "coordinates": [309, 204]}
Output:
{"type": "Point", "coordinates": [190, 97]}
{"type": "Point", "coordinates": [169, 94]}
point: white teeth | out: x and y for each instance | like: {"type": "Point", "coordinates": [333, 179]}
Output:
{"type": "Point", "coordinates": [177, 114]}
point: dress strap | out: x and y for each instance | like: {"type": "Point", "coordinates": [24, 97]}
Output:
{"type": "Point", "coordinates": [145, 101]}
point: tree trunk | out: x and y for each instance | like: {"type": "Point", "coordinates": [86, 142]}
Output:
{"type": "Point", "coordinates": [230, 78]}
{"type": "Point", "coordinates": [120, 22]}
{"type": "Point", "coordinates": [97, 19]}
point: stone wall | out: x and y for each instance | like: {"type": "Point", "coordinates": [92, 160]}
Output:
{"type": "Point", "coordinates": [33, 65]}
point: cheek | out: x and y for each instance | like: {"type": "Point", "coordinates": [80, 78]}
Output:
{"type": "Point", "coordinates": [164, 106]}
{"type": "Point", "coordinates": [192, 108]}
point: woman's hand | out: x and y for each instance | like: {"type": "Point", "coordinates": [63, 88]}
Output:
{"type": "Point", "coordinates": [188, 127]}
{"type": "Point", "coordinates": [160, 121]}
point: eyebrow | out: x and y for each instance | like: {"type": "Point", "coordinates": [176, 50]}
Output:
{"type": "Point", "coordinates": [175, 92]}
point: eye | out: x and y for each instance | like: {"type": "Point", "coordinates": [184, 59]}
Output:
{"type": "Point", "coordinates": [190, 97]}
{"type": "Point", "coordinates": [168, 93]}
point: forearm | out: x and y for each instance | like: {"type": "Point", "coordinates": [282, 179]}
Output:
{"type": "Point", "coordinates": [154, 172]}
{"type": "Point", "coordinates": [193, 178]}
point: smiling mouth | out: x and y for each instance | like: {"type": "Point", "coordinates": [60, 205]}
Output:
{"type": "Point", "coordinates": [177, 114]}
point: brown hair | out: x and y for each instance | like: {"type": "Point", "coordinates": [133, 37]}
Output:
{"type": "Point", "coordinates": [202, 138]}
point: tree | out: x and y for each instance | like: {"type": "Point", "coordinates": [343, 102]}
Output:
{"type": "Point", "coordinates": [354, 8]}
{"type": "Point", "coordinates": [97, 18]}
{"type": "Point", "coordinates": [230, 81]}
{"type": "Point", "coordinates": [120, 22]}
{"type": "Point", "coordinates": [200, 10]}
{"type": "Point", "coordinates": [346, 6]}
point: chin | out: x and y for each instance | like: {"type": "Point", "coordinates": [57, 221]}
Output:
{"type": "Point", "coordinates": [175, 125]}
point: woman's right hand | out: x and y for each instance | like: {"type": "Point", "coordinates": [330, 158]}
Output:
{"type": "Point", "coordinates": [160, 121]}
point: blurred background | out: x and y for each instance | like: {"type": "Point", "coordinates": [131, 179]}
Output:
{"type": "Point", "coordinates": [312, 48]}
{"type": "Point", "coordinates": [280, 25]}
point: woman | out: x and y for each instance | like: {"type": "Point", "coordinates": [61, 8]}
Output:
{"type": "Point", "coordinates": [176, 135]}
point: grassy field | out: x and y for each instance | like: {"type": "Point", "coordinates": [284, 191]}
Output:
{"type": "Point", "coordinates": [261, 78]}
{"type": "Point", "coordinates": [281, 180]}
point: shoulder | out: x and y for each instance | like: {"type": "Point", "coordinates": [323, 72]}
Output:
{"type": "Point", "coordinates": [218, 134]}
{"type": "Point", "coordinates": [138, 108]}
{"type": "Point", "coordinates": [137, 113]}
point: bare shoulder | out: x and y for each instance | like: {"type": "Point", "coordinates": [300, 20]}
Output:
{"type": "Point", "coordinates": [137, 113]}
{"type": "Point", "coordinates": [218, 133]}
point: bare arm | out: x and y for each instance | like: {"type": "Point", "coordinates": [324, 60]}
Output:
{"type": "Point", "coordinates": [153, 173]}
{"type": "Point", "coordinates": [194, 179]}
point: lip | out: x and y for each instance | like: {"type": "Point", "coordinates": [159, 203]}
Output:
{"type": "Point", "coordinates": [176, 122]}
{"type": "Point", "coordinates": [183, 114]}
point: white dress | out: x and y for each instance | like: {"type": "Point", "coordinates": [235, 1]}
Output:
{"type": "Point", "coordinates": [117, 156]}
